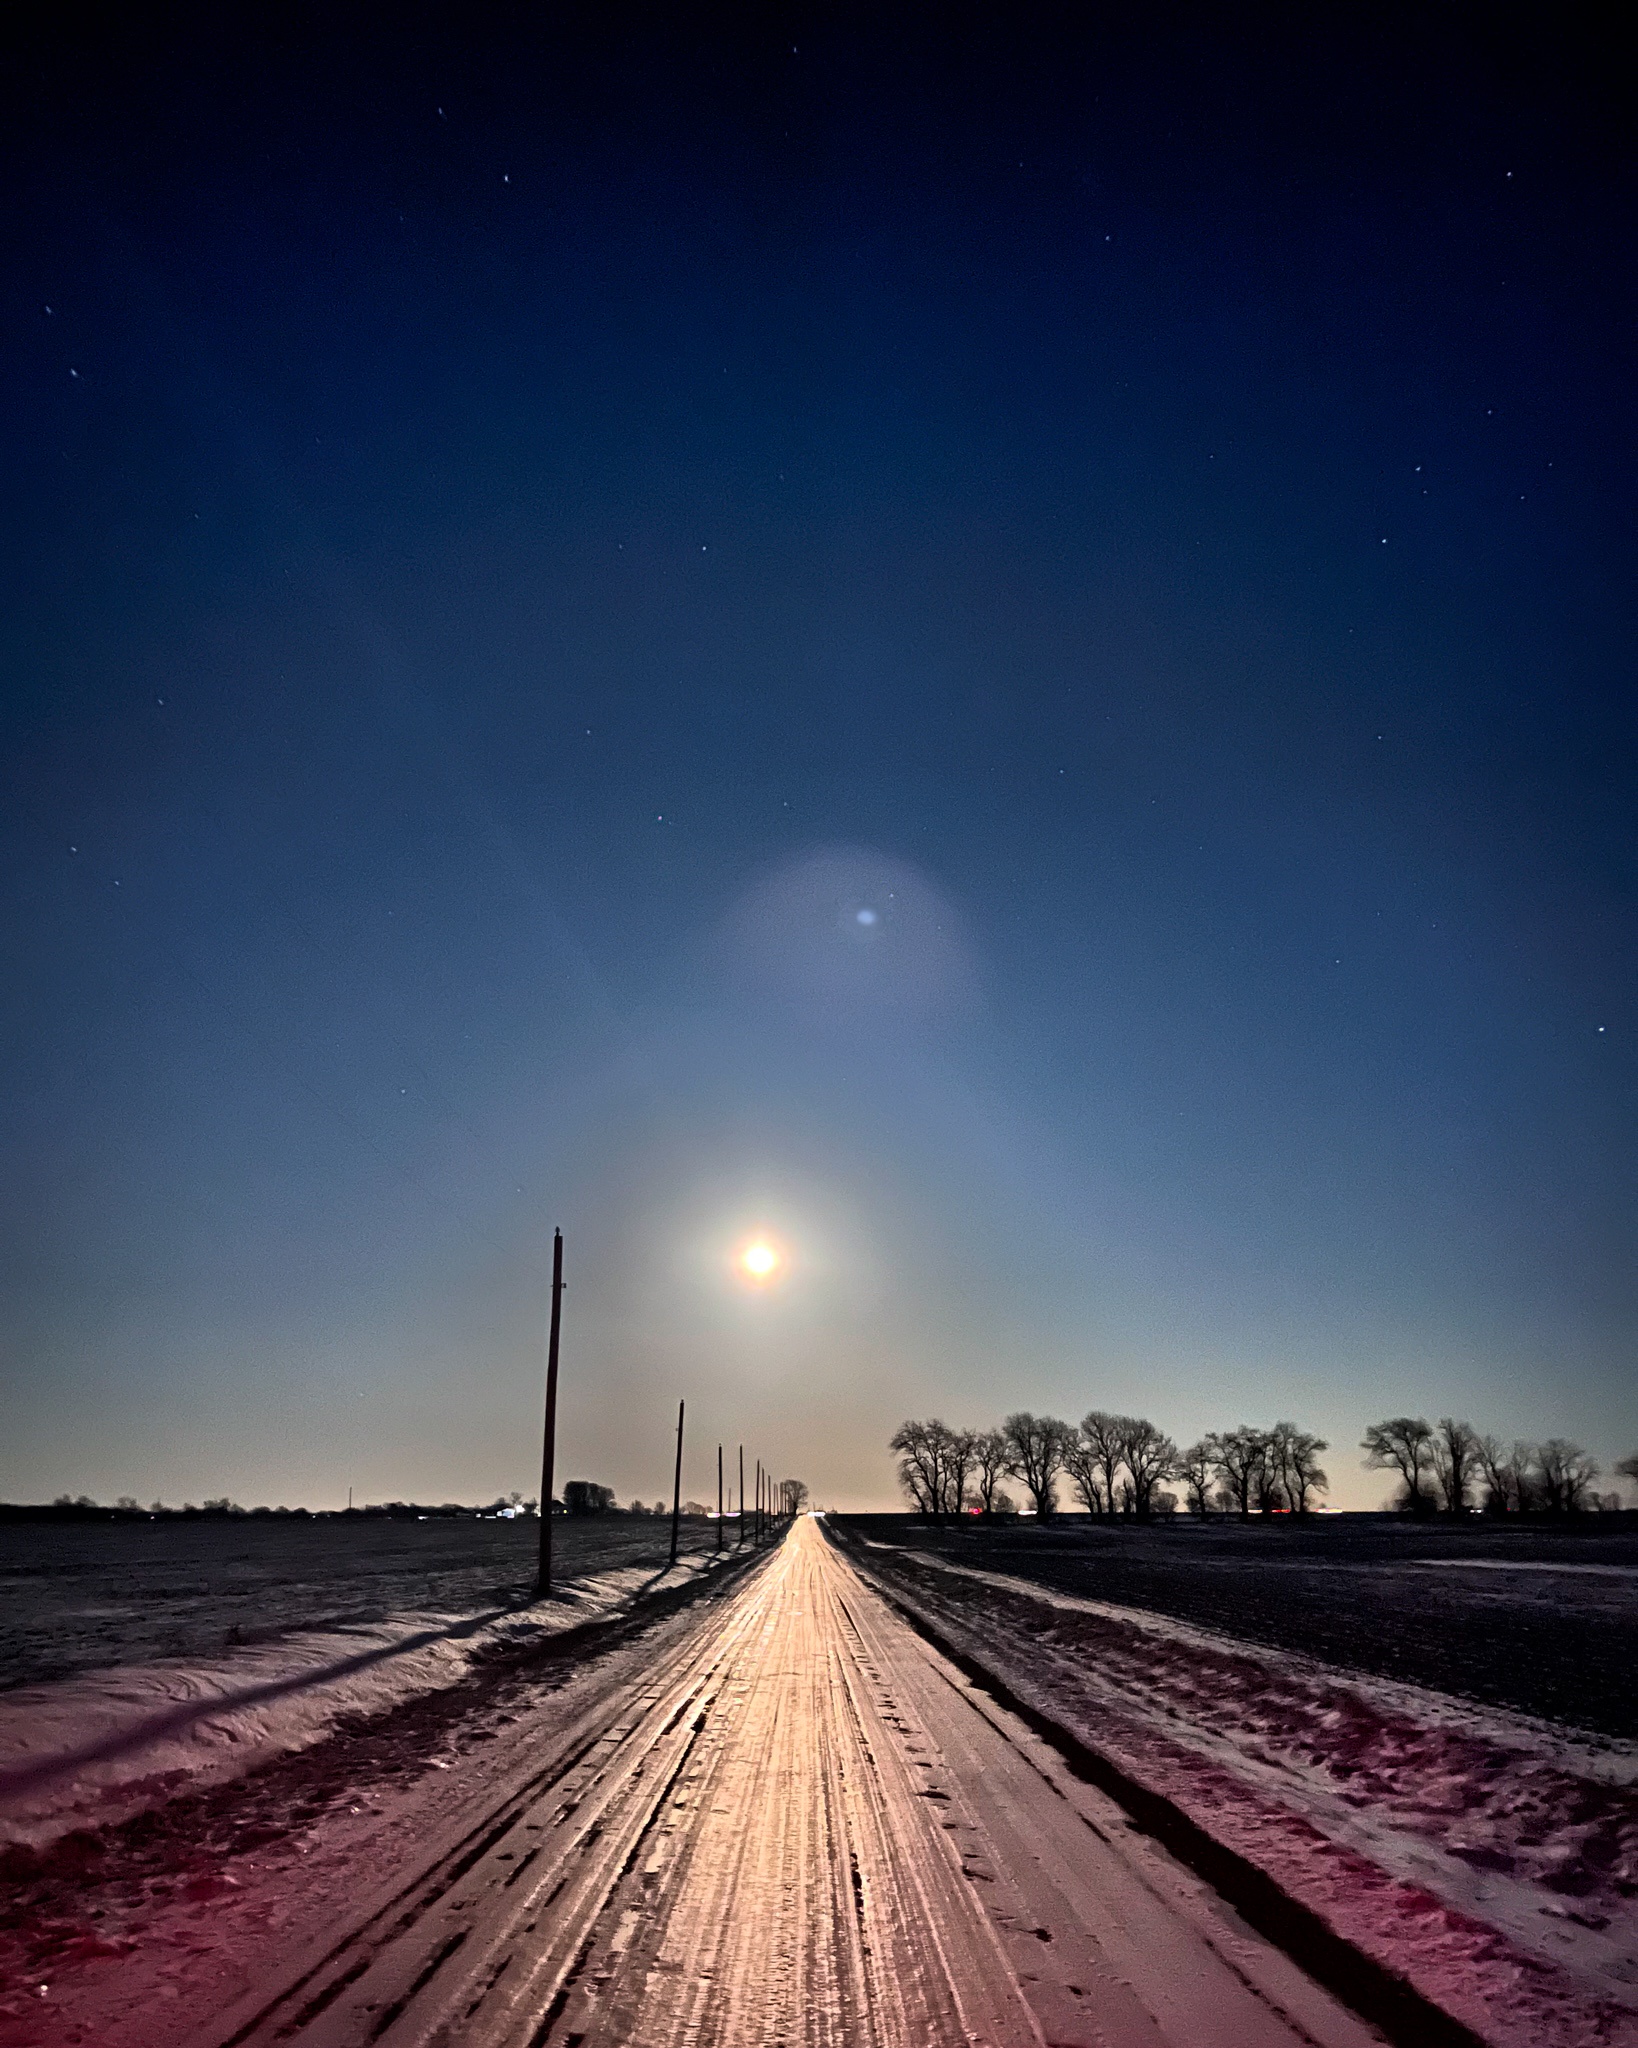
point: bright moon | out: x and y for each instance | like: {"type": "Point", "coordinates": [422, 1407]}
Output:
{"type": "Point", "coordinates": [759, 1261]}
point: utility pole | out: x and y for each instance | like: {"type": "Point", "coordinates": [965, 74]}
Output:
{"type": "Point", "coordinates": [740, 1538]}
{"type": "Point", "coordinates": [676, 1486]}
{"type": "Point", "coordinates": [719, 1496]}
{"type": "Point", "coordinates": [548, 1452]}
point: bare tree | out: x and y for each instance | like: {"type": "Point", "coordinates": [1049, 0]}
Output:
{"type": "Point", "coordinates": [1242, 1461]}
{"type": "Point", "coordinates": [992, 1460]}
{"type": "Point", "coordinates": [942, 1445]}
{"type": "Point", "coordinates": [958, 1463]}
{"type": "Point", "coordinates": [1527, 1477]}
{"type": "Point", "coordinates": [1455, 1456]}
{"type": "Point", "coordinates": [918, 1456]}
{"type": "Point", "coordinates": [1105, 1438]}
{"type": "Point", "coordinates": [1565, 1474]}
{"type": "Point", "coordinates": [1627, 1467]}
{"type": "Point", "coordinates": [1151, 1456]}
{"type": "Point", "coordinates": [1037, 1454]}
{"type": "Point", "coordinates": [953, 1457]}
{"type": "Point", "coordinates": [1197, 1468]}
{"type": "Point", "coordinates": [1081, 1463]}
{"type": "Point", "coordinates": [1492, 1462]}
{"type": "Point", "coordinates": [1293, 1456]}
{"type": "Point", "coordinates": [934, 1461]}
{"type": "Point", "coordinates": [1506, 1475]}
{"type": "Point", "coordinates": [1402, 1444]}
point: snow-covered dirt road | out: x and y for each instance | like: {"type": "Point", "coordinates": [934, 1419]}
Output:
{"type": "Point", "coordinates": [802, 1825]}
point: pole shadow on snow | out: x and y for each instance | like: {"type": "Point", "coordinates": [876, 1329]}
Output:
{"type": "Point", "coordinates": [30, 1777]}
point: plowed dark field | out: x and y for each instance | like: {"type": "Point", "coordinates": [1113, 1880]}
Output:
{"type": "Point", "coordinates": [1539, 1619]}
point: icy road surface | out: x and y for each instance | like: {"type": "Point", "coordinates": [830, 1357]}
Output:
{"type": "Point", "coordinates": [806, 1827]}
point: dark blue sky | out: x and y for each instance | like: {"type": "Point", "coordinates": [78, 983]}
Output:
{"type": "Point", "coordinates": [514, 531]}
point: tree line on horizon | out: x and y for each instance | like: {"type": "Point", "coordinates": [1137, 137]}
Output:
{"type": "Point", "coordinates": [580, 1497]}
{"type": "Point", "coordinates": [1119, 1464]}
{"type": "Point", "coordinates": [1450, 1466]}
{"type": "Point", "coordinates": [83, 1507]}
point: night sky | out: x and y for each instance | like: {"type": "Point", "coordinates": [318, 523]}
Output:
{"type": "Point", "coordinates": [520, 526]}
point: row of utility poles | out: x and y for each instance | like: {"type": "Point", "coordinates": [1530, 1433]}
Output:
{"type": "Point", "coordinates": [766, 1496]}
{"type": "Point", "coordinates": [774, 1500]}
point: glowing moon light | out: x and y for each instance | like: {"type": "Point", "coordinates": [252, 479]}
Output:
{"type": "Point", "coordinates": [759, 1261]}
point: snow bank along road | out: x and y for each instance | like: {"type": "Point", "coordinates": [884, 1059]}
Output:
{"type": "Point", "coordinates": [804, 1826]}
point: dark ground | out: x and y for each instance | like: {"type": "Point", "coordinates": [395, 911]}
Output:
{"type": "Point", "coordinates": [83, 1597]}
{"type": "Point", "coordinates": [1529, 1629]}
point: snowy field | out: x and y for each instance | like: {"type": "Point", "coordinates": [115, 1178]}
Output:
{"type": "Point", "coordinates": [148, 1659]}
{"type": "Point", "coordinates": [81, 1597]}
{"type": "Point", "coordinates": [1488, 1853]}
